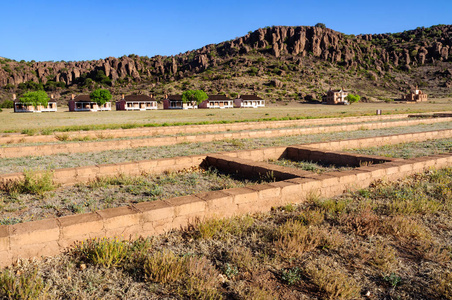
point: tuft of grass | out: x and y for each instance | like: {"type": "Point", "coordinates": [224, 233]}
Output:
{"type": "Point", "coordinates": [32, 183]}
{"type": "Point", "coordinates": [223, 228]}
{"type": "Point", "coordinates": [29, 132]}
{"type": "Point", "coordinates": [293, 239]}
{"type": "Point", "coordinates": [384, 258]}
{"type": "Point", "coordinates": [407, 228]}
{"type": "Point", "coordinates": [443, 285]}
{"type": "Point", "coordinates": [335, 283]}
{"type": "Point", "coordinates": [28, 285]}
{"type": "Point", "coordinates": [164, 267]}
{"type": "Point", "coordinates": [63, 137]}
{"type": "Point", "coordinates": [104, 252]}
{"type": "Point", "coordinates": [195, 277]}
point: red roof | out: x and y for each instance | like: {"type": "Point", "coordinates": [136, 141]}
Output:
{"type": "Point", "coordinates": [82, 98]}
{"type": "Point", "coordinates": [175, 97]}
{"type": "Point", "coordinates": [138, 98]}
{"type": "Point", "coordinates": [217, 97]}
{"type": "Point", "coordinates": [250, 97]}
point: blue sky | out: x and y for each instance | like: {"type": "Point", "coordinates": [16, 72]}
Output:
{"type": "Point", "coordinates": [85, 30]}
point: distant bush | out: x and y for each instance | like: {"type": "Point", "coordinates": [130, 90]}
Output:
{"type": "Point", "coordinates": [353, 98]}
{"type": "Point", "coordinates": [253, 71]}
{"type": "Point", "coordinates": [7, 104]}
{"type": "Point", "coordinates": [31, 85]}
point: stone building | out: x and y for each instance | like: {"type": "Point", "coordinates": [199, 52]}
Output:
{"type": "Point", "coordinates": [415, 96]}
{"type": "Point", "coordinates": [249, 101]}
{"type": "Point", "coordinates": [20, 107]}
{"type": "Point", "coordinates": [336, 97]}
{"type": "Point", "coordinates": [136, 102]}
{"type": "Point", "coordinates": [84, 103]}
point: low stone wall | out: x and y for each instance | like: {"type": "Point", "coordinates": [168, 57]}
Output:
{"type": "Point", "coordinates": [72, 176]}
{"type": "Point", "coordinates": [81, 147]}
{"type": "Point", "coordinates": [52, 236]}
{"type": "Point", "coordinates": [172, 130]}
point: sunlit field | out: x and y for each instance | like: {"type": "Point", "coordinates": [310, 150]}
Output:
{"type": "Point", "coordinates": [16, 122]}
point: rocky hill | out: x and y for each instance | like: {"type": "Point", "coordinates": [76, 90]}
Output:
{"type": "Point", "coordinates": [279, 63]}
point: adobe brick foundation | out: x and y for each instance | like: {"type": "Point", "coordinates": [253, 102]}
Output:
{"type": "Point", "coordinates": [52, 236]}
{"type": "Point", "coordinates": [172, 130]}
{"type": "Point", "coordinates": [71, 176]}
{"type": "Point", "coordinates": [98, 146]}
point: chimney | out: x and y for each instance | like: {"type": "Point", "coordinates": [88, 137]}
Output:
{"type": "Point", "coordinates": [238, 96]}
{"type": "Point", "coordinates": [51, 96]}
{"type": "Point", "coordinates": [152, 96]}
{"type": "Point", "coordinates": [72, 96]}
{"type": "Point", "coordinates": [14, 96]}
{"type": "Point", "coordinates": [122, 96]}
{"type": "Point", "coordinates": [166, 96]}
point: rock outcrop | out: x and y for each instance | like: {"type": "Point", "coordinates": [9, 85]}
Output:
{"type": "Point", "coordinates": [378, 52]}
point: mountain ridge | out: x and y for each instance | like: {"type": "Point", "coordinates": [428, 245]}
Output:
{"type": "Point", "coordinates": [279, 53]}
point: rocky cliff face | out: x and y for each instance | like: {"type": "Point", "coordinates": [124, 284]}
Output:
{"type": "Point", "coordinates": [376, 53]}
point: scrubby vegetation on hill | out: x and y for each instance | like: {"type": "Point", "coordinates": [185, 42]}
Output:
{"type": "Point", "coordinates": [279, 63]}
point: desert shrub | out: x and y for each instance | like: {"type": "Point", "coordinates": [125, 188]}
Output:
{"type": "Point", "coordinates": [363, 223]}
{"type": "Point", "coordinates": [201, 280]}
{"type": "Point", "coordinates": [29, 132]}
{"type": "Point", "coordinates": [28, 285]}
{"type": "Point", "coordinates": [62, 137]}
{"type": "Point", "coordinates": [7, 104]}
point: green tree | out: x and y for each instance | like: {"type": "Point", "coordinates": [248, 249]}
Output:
{"type": "Point", "coordinates": [353, 98]}
{"type": "Point", "coordinates": [35, 98]}
{"type": "Point", "coordinates": [100, 96]}
{"type": "Point", "coordinates": [321, 25]}
{"type": "Point", "coordinates": [194, 96]}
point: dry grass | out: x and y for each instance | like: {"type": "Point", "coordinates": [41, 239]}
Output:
{"type": "Point", "coordinates": [11, 165]}
{"type": "Point", "coordinates": [10, 121]}
{"type": "Point", "coordinates": [316, 167]}
{"type": "Point", "coordinates": [334, 282]}
{"type": "Point", "coordinates": [36, 197]}
{"type": "Point", "coordinates": [342, 248]}
{"type": "Point", "coordinates": [409, 150]}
